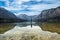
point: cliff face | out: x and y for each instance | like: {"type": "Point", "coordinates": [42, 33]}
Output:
{"type": "Point", "coordinates": [50, 14]}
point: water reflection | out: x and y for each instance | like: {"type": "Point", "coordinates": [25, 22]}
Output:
{"type": "Point", "coordinates": [24, 24]}
{"type": "Point", "coordinates": [23, 31]}
{"type": "Point", "coordinates": [5, 27]}
{"type": "Point", "coordinates": [51, 26]}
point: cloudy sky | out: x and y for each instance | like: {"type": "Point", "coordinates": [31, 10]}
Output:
{"type": "Point", "coordinates": [29, 7]}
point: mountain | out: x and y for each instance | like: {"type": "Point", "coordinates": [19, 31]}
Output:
{"type": "Point", "coordinates": [34, 18]}
{"type": "Point", "coordinates": [7, 16]}
{"type": "Point", "coordinates": [50, 15]}
{"type": "Point", "coordinates": [26, 17]}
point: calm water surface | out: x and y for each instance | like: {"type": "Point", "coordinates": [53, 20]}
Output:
{"type": "Point", "coordinates": [26, 31]}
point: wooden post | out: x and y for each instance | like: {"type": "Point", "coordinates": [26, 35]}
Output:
{"type": "Point", "coordinates": [31, 21]}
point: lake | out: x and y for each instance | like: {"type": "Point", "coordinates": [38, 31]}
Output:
{"type": "Point", "coordinates": [29, 31]}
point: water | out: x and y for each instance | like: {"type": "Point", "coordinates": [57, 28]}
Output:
{"type": "Point", "coordinates": [24, 31]}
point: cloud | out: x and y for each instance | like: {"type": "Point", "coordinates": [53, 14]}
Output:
{"type": "Point", "coordinates": [30, 7]}
{"type": "Point", "coordinates": [35, 2]}
{"type": "Point", "coordinates": [15, 4]}
{"type": "Point", "coordinates": [40, 7]}
{"type": "Point", "coordinates": [28, 13]}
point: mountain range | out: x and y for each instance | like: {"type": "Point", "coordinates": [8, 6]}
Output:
{"type": "Point", "coordinates": [26, 17]}
{"type": "Point", "coordinates": [52, 14]}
